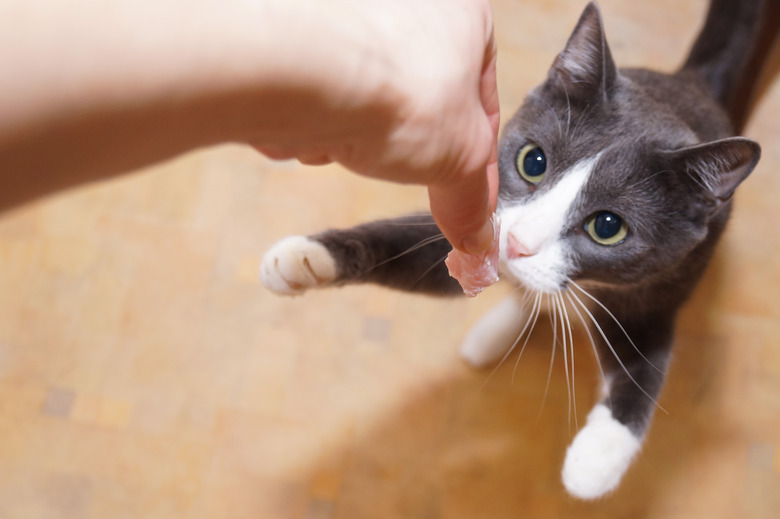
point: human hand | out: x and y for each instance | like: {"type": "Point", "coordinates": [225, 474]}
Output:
{"type": "Point", "coordinates": [400, 90]}
{"type": "Point", "coordinates": [416, 103]}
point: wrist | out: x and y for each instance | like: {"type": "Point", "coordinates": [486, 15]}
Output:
{"type": "Point", "coordinates": [315, 73]}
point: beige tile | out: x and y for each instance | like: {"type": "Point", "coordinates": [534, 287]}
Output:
{"type": "Point", "coordinates": [86, 409]}
{"type": "Point", "coordinates": [59, 403]}
{"type": "Point", "coordinates": [145, 372]}
{"type": "Point", "coordinates": [113, 413]}
{"type": "Point", "coordinates": [237, 495]}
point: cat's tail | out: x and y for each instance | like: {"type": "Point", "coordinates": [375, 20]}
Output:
{"type": "Point", "coordinates": [732, 49]}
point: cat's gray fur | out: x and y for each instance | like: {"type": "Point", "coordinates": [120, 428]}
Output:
{"type": "Point", "coordinates": [668, 164]}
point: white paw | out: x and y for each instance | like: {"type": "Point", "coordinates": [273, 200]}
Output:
{"type": "Point", "coordinates": [295, 264]}
{"type": "Point", "coordinates": [599, 455]}
{"type": "Point", "coordinates": [491, 337]}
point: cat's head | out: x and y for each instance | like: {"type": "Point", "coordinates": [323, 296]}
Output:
{"type": "Point", "coordinates": [601, 182]}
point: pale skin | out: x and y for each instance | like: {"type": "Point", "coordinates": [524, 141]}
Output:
{"type": "Point", "coordinates": [401, 90]}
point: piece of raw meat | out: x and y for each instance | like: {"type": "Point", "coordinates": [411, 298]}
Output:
{"type": "Point", "coordinates": [475, 272]}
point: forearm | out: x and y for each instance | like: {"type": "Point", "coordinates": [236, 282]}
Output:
{"type": "Point", "coordinates": [92, 88]}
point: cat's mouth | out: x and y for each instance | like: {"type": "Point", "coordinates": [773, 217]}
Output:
{"type": "Point", "coordinates": [535, 275]}
{"type": "Point", "coordinates": [545, 271]}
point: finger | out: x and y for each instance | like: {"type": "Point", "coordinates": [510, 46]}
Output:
{"type": "Point", "coordinates": [315, 159]}
{"type": "Point", "coordinates": [488, 84]}
{"type": "Point", "coordinates": [492, 178]}
{"type": "Point", "coordinates": [462, 211]}
{"type": "Point", "coordinates": [274, 152]}
{"type": "Point", "coordinates": [488, 90]}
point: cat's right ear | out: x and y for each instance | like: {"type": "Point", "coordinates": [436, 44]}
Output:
{"type": "Point", "coordinates": [585, 68]}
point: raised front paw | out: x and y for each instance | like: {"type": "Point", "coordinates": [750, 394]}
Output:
{"type": "Point", "coordinates": [599, 455]}
{"type": "Point", "coordinates": [295, 264]}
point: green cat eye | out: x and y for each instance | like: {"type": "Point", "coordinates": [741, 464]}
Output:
{"type": "Point", "coordinates": [606, 228]}
{"type": "Point", "coordinates": [531, 163]}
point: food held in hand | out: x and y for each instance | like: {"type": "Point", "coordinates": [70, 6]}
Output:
{"type": "Point", "coordinates": [475, 272]}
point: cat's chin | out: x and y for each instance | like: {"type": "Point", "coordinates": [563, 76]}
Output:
{"type": "Point", "coordinates": [529, 282]}
{"type": "Point", "coordinates": [545, 272]}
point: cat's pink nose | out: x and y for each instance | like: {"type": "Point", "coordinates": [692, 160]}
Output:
{"type": "Point", "coordinates": [519, 249]}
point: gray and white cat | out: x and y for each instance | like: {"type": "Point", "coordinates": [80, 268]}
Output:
{"type": "Point", "coordinates": [615, 186]}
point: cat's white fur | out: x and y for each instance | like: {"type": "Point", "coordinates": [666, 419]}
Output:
{"type": "Point", "coordinates": [536, 227]}
{"type": "Point", "coordinates": [599, 455]}
{"type": "Point", "coordinates": [602, 451]}
{"type": "Point", "coordinates": [296, 264]}
{"type": "Point", "coordinates": [490, 338]}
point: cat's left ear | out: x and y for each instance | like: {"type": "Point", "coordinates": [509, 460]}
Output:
{"type": "Point", "coordinates": [717, 167]}
{"type": "Point", "coordinates": [585, 68]}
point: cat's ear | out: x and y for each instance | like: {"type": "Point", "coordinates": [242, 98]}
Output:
{"type": "Point", "coordinates": [716, 168]}
{"type": "Point", "coordinates": [585, 68]}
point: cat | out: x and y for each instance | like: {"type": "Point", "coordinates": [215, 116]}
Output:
{"type": "Point", "coordinates": [615, 185]}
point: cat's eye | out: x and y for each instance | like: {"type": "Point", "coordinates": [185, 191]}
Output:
{"type": "Point", "coordinates": [606, 228]}
{"type": "Point", "coordinates": [531, 163]}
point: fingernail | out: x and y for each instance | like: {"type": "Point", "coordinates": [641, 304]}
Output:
{"type": "Point", "coordinates": [480, 241]}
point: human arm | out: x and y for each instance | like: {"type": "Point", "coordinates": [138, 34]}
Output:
{"type": "Point", "coordinates": [402, 91]}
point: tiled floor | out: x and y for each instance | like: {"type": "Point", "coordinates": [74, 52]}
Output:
{"type": "Point", "coordinates": [145, 373]}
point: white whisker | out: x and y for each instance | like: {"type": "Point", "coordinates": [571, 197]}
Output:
{"type": "Point", "coordinates": [569, 295]}
{"type": "Point", "coordinates": [419, 245]}
{"type": "Point", "coordinates": [551, 315]}
{"type": "Point", "coordinates": [571, 346]}
{"type": "Point", "coordinates": [429, 269]}
{"type": "Point", "coordinates": [618, 323]}
{"type": "Point", "coordinates": [554, 325]}
{"type": "Point", "coordinates": [565, 358]}
{"type": "Point", "coordinates": [536, 310]}
{"type": "Point", "coordinates": [531, 317]}
{"type": "Point", "coordinates": [568, 110]}
{"type": "Point", "coordinates": [617, 357]}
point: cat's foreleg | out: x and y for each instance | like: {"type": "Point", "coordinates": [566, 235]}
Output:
{"type": "Point", "coordinates": [296, 264]}
{"type": "Point", "coordinates": [406, 253]}
{"type": "Point", "coordinates": [603, 450]}
{"type": "Point", "coordinates": [489, 340]}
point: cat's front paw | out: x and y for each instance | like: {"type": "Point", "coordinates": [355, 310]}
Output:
{"type": "Point", "coordinates": [295, 264]}
{"type": "Point", "coordinates": [599, 455]}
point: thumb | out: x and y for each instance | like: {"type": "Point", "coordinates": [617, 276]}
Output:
{"type": "Point", "coordinates": [462, 209]}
